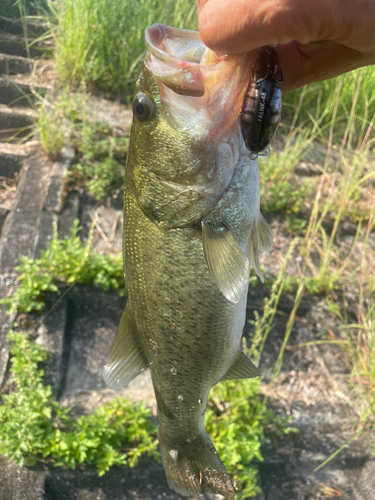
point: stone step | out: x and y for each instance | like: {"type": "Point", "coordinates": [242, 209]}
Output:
{"type": "Point", "coordinates": [12, 157]}
{"type": "Point", "coordinates": [19, 92]}
{"type": "Point", "coordinates": [21, 229]}
{"type": "Point", "coordinates": [15, 65]}
{"type": "Point", "coordinates": [40, 197]}
{"type": "Point", "coordinates": [55, 198]}
{"type": "Point", "coordinates": [15, 45]}
{"type": "Point", "coordinates": [40, 191]}
{"type": "Point", "coordinates": [15, 124]}
{"type": "Point", "coordinates": [16, 27]}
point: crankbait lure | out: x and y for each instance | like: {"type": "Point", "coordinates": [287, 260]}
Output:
{"type": "Point", "coordinates": [261, 108]}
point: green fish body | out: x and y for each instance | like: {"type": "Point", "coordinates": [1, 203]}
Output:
{"type": "Point", "coordinates": [192, 228]}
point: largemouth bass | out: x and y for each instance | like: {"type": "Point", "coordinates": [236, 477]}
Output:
{"type": "Point", "coordinates": [192, 228]}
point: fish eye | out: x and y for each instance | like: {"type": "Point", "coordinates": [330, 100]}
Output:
{"type": "Point", "coordinates": [143, 107]}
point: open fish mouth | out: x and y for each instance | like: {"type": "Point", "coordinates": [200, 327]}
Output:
{"type": "Point", "coordinates": [196, 86]}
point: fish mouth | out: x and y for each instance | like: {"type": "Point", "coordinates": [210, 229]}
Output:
{"type": "Point", "coordinates": [174, 57]}
{"type": "Point", "coordinates": [193, 80]}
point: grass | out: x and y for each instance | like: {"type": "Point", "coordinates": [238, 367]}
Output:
{"type": "Point", "coordinates": [100, 42]}
{"type": "Point", "coordinates": [65, 262]}
{"type": "Point", "coordinates": [343, 106]}
{"type": "Point", "coordinates": [101, 158]}
{"type": "Point", "coordinates": [15, 8]}
{"type": "Point", "coordinates": [34, 426]}
{"type": "Point", "coordinates": [51, 129]}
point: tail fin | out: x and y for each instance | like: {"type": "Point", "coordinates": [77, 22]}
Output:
{"type": "Point", "coordinates": [195, 468]}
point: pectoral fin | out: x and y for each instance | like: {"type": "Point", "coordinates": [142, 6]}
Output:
{"type": "Point", "coordinates": [242, 367]}
{"type": "Point", "coordinates": [226, 261]}
{"type": "Point", "coordinates": [126, 360]}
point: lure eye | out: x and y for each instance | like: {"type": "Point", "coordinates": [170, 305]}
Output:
{"type": "Point", "coordinates": [143, 107]}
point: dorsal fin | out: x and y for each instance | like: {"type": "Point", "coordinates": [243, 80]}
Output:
{"type": "Point", "coordinates": [226, 261]}
{"type": "Point", "coordinates": [241, 367]}
{"type": "Point", "coordinates": [261, 238]}
{"type": "Point", "coordinates": [253, 254]}
{"type": "Point", "coordinates": [126, 360]}
{"type": "Point", "coordinates": [264, 234]}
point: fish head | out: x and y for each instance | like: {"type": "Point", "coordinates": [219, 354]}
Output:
{"type": "Point", "coordinates": [186, 105]}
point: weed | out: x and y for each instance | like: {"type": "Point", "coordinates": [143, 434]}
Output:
{"type": "Point", "coordinates": [102, 158]}
{"type": "Point", "coordinates": [278, 193]}
{"type": "Point", "coordinates": [294, 225]}
{"type": "Point", "coordinates": [345, 106]}
{"type": "Point", "coordinates": [51, 129]}
{"type": "Point", "coordinates": [99, 177]}
{"type": "Point", "coordinates": [100, 42]}
{"type": "Point", "coordinates": [15, 8]}
{"type": "Point", "coordinates": [237, 421]}
{"type": "Point", "coordinates": [262, 324]}
{"type": "Point", "coordinates": [65, 262]}
{"type": "Point", "coordinates": [33, 425]}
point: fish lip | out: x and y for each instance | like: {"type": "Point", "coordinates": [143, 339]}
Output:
{"type": "Point", "coordinates": [172, 67]}
{"type": "Point", "coordinates": [157, 33]}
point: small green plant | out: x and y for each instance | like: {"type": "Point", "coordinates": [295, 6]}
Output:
{"type": "Point", "coordinates": [237, 420]}
{"type": "Point", "coordinates": [66, 261]}
{"type": "Point", "coordinates": [102, 158]}
{"type": "Point", "coordinates": [99, 177]}
{"type": "Point", "coordinates": [34, 426]}
{"type": "Point", "coordinates": [294, 225]}
{"type": "Point", "coordinates": [284, 196]}
{"type": "Point", "coordinates": [51, 129]}
{"type": "Point", "coordinates": [318, 284]}
{"type": "Point", "coordinates": [278, 191]}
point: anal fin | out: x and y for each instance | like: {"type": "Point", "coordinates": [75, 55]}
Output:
{"type": "Point", "coordinates": [126, 360]}
{"type": "Point", "coordinates": [226, 261]}
{"type": "Point", "coordinates": [242, 367]}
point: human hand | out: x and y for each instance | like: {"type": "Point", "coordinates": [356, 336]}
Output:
{"type": "Point", "coordinates": [315, 40]}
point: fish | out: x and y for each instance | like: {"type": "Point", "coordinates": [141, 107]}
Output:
{"type": "Point", "coordinates": [192, 229]}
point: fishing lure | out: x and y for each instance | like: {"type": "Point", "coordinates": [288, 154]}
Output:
{"type": "Point", "coordinates": [261, 108]}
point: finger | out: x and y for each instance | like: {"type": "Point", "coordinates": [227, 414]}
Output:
{"type": "Point", "coordinates": [303, 64]}
{"type": "Point", "coordinates": [235, 26]}
{"type": "Point", "coordinates": [200, 5]}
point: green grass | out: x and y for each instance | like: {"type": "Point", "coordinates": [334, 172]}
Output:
{"type": "Point", "coordinates": [100, 42]}
{"type": "Point", "coordinates": [34, 426]}
{"type": "Point", "coordinates": [65, 262]}
{"type": "Point", "coordinates": [238, 420]}
{"type": "Point", "coordinates": [13, 8]}
{"type": "Point", "coordinates": [342, 105]}
{"type": "Point", "coordinates": [51, 129]}
{"type": "Point", "coordinates": [101, 158]}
